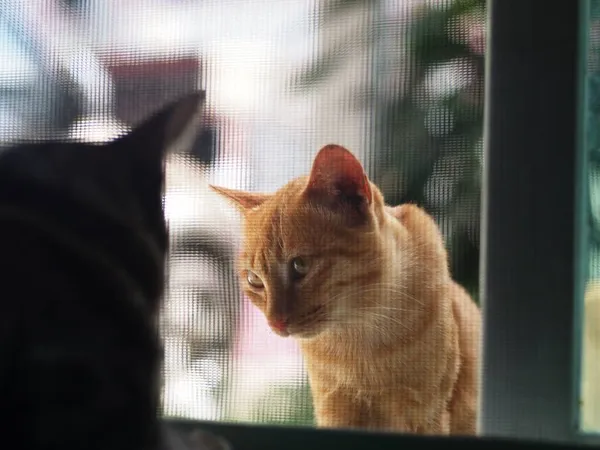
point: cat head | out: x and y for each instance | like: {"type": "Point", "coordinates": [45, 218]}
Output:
{"type": "Point", "coordinates": [107, 198]}
{"type": "Point", "coordinates": [324, 252]}
{"type": "Point", "coordinates": [309, 245]}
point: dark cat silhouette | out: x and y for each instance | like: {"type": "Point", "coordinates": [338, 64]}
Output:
{"type": "Point", "coordinates": [83, 243]}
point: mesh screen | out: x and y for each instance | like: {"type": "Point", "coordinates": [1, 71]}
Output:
{"type": "Point", "coordinates": [400, 83]}
{"type": "Point", "coordinates": [590, 390]}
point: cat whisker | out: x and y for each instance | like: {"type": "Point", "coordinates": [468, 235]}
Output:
{"type": "Point", "coordinates": [376, 325]}
{"type": "Point", "coordinates": [371, 329]}
{"type": "Point", "coordinates": [380, 289]}
{"type": "Point", "coordinates": [386, 308]}
{"type": "Point", "coordinates": [391, 319]}
{"type": "Point", "coordinates": [310, 316]}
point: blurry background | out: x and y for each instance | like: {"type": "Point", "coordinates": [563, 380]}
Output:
{"type": "Point", "coordinates": [400, 83]}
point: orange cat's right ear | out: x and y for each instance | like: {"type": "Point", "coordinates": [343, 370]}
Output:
{"type": "Point", "coordinates": [338, 181]}
{"type": "Point", "coordinates": [242, 200]}
{"type": "Point", "coordinates": [336, 171]}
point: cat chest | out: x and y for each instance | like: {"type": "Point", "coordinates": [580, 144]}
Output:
{"type": "Point", "coordinates": [386, 394]}
{"type": "Point", "coordinates": [371, 376]}
{"type": "Point", "coordinates": [400, 409]}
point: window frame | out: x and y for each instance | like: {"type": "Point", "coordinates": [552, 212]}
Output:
{"type": "Point", "coordinates": [262, 437]}
{"type": "Point", "coordinates": [533, 255]}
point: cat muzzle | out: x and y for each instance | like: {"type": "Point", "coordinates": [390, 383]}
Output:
{"type": "Point", "coordinates": [280, 327]}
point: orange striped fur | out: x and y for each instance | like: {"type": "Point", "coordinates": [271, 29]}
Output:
{"type": "Point", "coordinates": [391, 342]}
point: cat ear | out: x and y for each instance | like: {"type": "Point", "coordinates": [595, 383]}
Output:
{"type": "Point", "coordinates": [242, 200]}
{"type": "Point", "coordinates": [176, 124]}
{"type": "Point", "coordinates": [141, 154]}
{"type": "Point", "coordinates": [338, 180]}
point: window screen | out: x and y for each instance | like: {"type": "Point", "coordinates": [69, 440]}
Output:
{"type": "Point", "coordinates": [400, 83]}
{"type": "Point", "coordinates": [590, 373]}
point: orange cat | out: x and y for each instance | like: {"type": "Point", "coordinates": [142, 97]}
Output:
{"type": "Point", "coordinates": [391, 342]}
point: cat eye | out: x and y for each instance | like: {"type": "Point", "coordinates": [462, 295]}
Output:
{"type": "Point", "coordinates": [299, 267]}
{"type": "Point", "coordinates": [254, 280]}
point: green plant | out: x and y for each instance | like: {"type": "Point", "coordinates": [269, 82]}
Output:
{"type": "Point", "coordinates": [285, 405]}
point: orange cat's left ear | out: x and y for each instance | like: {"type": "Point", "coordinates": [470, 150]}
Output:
{"type": "Point", "coordinates": [242, 200]}
{"type": "Point", "coordinates": [338, 180]}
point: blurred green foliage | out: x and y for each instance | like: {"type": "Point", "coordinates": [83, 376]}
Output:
{"type": "Point", "coordinates": [285, 405]}
{"type": "Point", "coordinates": [431, 142]}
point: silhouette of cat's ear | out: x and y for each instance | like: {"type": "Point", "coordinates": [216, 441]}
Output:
{"type": "Point", "coordinates": [338, 180]}
{"type": "Point", "coordinates": [176, 124]}
{"type": "Point", "coordinates": [141, 154]}
{"type": "Point", "coordinates": [244, 201]}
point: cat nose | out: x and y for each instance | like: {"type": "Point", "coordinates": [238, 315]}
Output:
{"type": "Point", "coordinates": [280, 325]}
